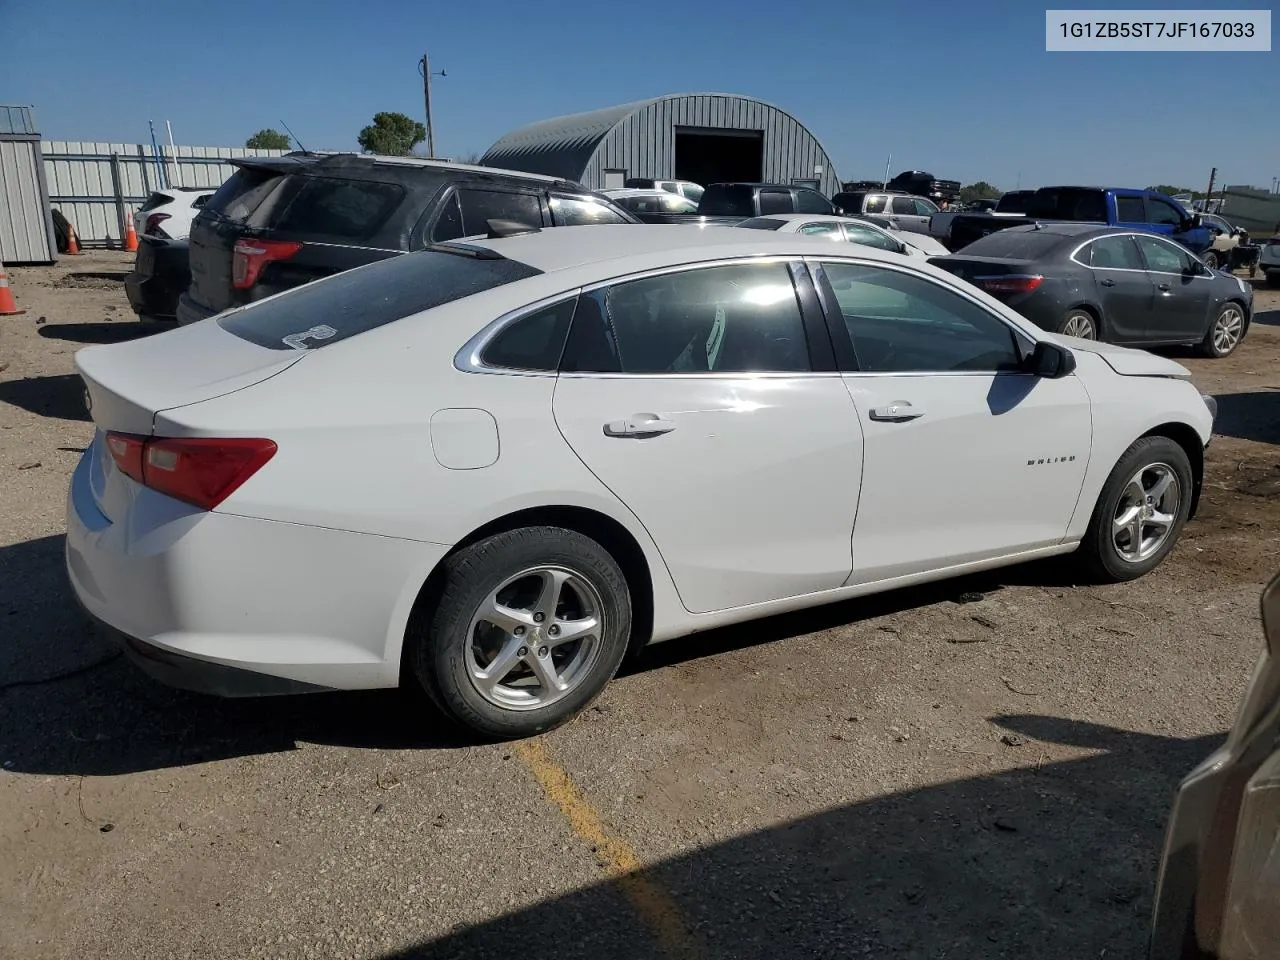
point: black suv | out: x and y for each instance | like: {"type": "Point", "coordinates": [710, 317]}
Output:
{"type": "Point", "coordinates": [280, 222]}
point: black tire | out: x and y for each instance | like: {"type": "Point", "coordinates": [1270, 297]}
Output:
{"type": "Point", "coordinates": [1211, 259]}
{"type": "Point", "coordinates": [1217, 342]}
{"type": "Point", "coordinates": [438, 654]}
{"type": "Point", "coordinates": [1099, 554]}
{"type": "Point", "coordinates": [1079, 318]}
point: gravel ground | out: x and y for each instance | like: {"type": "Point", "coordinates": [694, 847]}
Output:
{"type": "Point", "coordinates": [977, 769]}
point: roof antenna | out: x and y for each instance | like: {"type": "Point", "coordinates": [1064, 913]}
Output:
{"type": "Point", "coordinates": [295, 139]}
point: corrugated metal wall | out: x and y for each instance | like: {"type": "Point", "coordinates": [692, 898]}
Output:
{"type": "Point", "coordinates": [644, 142]}
{"type": "Point", "coordinates": [26, 231]}
{"type": "Point", "coordinates": [97, 185]}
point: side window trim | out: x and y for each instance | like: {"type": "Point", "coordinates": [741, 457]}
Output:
{"type": "Point", "coordinates": [847, 357]}
{"type": "Point", "coordinates": [822, 356]}
{"type": "Point", "coordinates": [793, 264]}
{"type": "Point", "coordinates": [1129, 236]}
{"type": "Point", "coordinates": [435, 208]}
{"type": "Point", "coordinates": [469, 359]}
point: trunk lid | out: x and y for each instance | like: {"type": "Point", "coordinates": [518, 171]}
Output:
{"type": "Point", "coordinates": [126, 384]}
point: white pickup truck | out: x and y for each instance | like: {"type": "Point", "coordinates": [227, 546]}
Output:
{"type": "Point", "coordinates": [1013, 204]}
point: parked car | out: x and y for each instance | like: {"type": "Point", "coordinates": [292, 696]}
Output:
{"type": "Point", "coordinates": [1011, 204]}
{"type": "Point", "coordinates": [903, 210]}
{"type": "Point", "coordinates": [685, 188]}
{"type": "Point", "coordinates": [168, 213]}
{"type": "Point", "coordinates": [652, 206]}
{"type": "Point", "coordinates": [1231, 249]}
{"type": "Point", "coordinates": [1216, 886]}
{"type": "Point", "coordinates": [1106, 206]}
{"type": "Point", "coordinates": [1104, 283]}
{"type": "Point", "coordinates": [1269, 261]}
{"type": "Point", "coordinates": [161, 272]}
{"type": "Point", "coordinates": [280, 222]}
{"type": "Point", "coordinates": [850, 229]}
{"type": "Point", "coordinates": [915, 182]}
{"type": "Point", "coordinates": [472, 466]}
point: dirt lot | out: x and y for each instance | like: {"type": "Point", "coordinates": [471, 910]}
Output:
{"type": "Point", "coordinates": [924, 775]}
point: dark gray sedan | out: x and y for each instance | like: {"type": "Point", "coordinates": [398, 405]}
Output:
{"type": "Point", "coordinates": [1104, 283]}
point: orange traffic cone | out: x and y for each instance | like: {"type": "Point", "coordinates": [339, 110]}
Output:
{"type": "Point", "coordinates": [7, 307]}
{"type": "Point", "coordinates": [130, 235]}
{"type": "Point", "coordinates": [73, 242]}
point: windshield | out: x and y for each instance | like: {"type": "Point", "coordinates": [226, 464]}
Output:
{"type": "Point", "coordinates": [347, 304]}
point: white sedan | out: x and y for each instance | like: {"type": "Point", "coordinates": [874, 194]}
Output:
{"type": "Point", "coordinates": [495, 467]}
{"type": "Point", "coordinates": [852, 230]}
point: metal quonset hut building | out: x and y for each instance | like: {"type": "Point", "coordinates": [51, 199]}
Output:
{"type": "Point", "coordinates": [706, 138]}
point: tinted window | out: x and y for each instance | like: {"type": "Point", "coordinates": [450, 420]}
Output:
{"type": "Point", "coordinates": [775, 201]}
{"type": "Point", "coordinates": [810, 201]}
{"type": "Point", "coordinates": [346, 304]}
{"type": "Point", "coordinates": [570, 212]}
{"type": "Point", "coordinates": [1112, 253]}
{"type": "Point", "coordinates": [727, 319]}
{"type": "Point", "coordinates": [727, 200]}
{"type": "Point", "coordinates": [1162, 256]}
{"type": "Point", "coordinates": [870, 237]}
{"type": "Point", "coordinates": [1017, 242]}
{"type": "Point", "coordinates": [201, 200]}
{"type": "Point", "coordinates": [1159, 211]}
{"type": "Point", "coordinates": [481, 206]}
{"type": "Point", "coordinates": [901, 323]}
{"type": "Point", "coordinates": [533, 342]}
{"type": "Point", "coordinates": [762, 223]}
{"type": "Point", "coordinates": [678, 204]}
{"type": "Point", "coordinates": [244, 192]}
{"type": "Point", "coordinates": [1012, 203]}
{"type": "Point", "coordinates": [876, 204]}
{"type": "Point", "coordinates": [903, 205]}
{"type": "Point", "coordinates": [848, 202]}
{"type": "Point", "coordinates": [1068, 203]}
{"type": "Point", "coordinates": [350, 209]}
{"type": "Point", "coordinates": [449, 223]}
{"type": "Point", "coordinates": [1130, 210]}
{"type": "Point", "coordinates": [818, 229]}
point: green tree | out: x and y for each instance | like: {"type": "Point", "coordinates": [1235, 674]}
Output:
{"type": "Point", "coordinates": [392, 134]}
{"type": "Point", "coordinates": [979, 191]}
{"type": "Point", "coordinates": [268, 139]}
{"type": "Point", "coordinates": [1170, 191]}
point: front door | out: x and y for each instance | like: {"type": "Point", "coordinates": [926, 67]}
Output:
{"type": "Point", "coordinates": [691, 396]}
{"type": "Point", "coordinates": [1182, 294]}
{"type": "Point", "coordinates": [905, 214]}
{"type": "Point", "coordinates": [967, 457]}
{"type": "Point", "coordinates": [1122, 286]}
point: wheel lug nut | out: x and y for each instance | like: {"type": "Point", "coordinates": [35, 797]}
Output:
{"type": "Point", "coordinates": [538, 617]}
{"type": "Point", "coordinates": [519, 631]}
{"type": "Point", "coordinates": [542, 651]}
{"type": "Point", "coordinates": [554, 630]}
{"type": "Point", "coordinates": [522, 652]}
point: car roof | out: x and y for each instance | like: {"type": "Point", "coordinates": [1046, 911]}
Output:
{"type": "Point", "coordinates": [563, 248]}
{"type": "Point", "coordinates": [638, 192]}
{"type": "Point", "coordinates": [1082, 231]}
{"type": "Point", "coordinates": [301, 161]}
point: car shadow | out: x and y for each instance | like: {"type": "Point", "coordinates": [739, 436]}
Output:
{"type": "Point", "coordinates": [1249, 416]}
{"type": "Point", "coordinates": [60, 396]}
{"type": "Point", "coordinates": [1270, 318]}
{"type": "Point", "coordinates": [1053, 861]}
{"type": "Point", "coordinates": [97, 333]}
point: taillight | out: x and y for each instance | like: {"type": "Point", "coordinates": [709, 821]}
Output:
{"type": "Point", "coordinates": [251, 255]}
{"type": "Point", "coordinates": [1009, 284]}
{"type": "Point", "coordinates": [154, 221]}
{"type": "Point", "coordinates": [200, 471]}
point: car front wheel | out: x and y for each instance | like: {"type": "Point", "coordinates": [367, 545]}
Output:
{"type": "Point", "coordinates": [1225, 332]}
{"type": "Point", "coordinates": [1211, 259]}
{"type": "Point", "coordinates": [530, 626]}
{"type": "Point", "coordinates": [1140, 513]}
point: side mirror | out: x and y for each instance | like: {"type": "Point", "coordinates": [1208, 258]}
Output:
{"type": "Point", "coordinates": [839, 211]}
{"type": "Point", "coordinates": [1051, 361]}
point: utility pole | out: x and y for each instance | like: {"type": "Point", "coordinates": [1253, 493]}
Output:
{"type": "Point", "coordinates": [1208, 194]}
{"type": "Point", "coordinates": [424, 68]}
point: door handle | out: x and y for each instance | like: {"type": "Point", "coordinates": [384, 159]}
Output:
{"type": "Point", "coordinates": [639, 425]}
{"type": "Point", "coordinates": [1163, 286]}
{"type": "Point", "coordinates": [1108, 282]}
{"type": "Point", "coordinates": [897, 412]}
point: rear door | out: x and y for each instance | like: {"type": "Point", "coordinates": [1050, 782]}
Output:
{"type": "Point", "coordinates": [1122, 286]}
{"type": "Point", "coordinates": [694, 396]}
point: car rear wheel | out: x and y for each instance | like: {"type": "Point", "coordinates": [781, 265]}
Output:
{"type": "Point", "coordinates": [529, 627]}
{"type": "Point", "coordinates": [1225, 333]}
{"type": "Point", "coordinates": [1140, 513]}
{"type": "Point", "coordinates": [1079, 323]}
{"type": "Point", "coordinates": [1211, 259]}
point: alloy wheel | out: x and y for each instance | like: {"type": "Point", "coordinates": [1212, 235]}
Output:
{"type": "Point", "coordinates": [1147, 512]}
{"type": "Point", "coordinates": [1227, 330]}
{"type": "Point", "coordinates": [1079, 325]}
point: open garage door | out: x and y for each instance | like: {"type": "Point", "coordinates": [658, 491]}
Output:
{"type": "Point", "coordinates": [717, 156]}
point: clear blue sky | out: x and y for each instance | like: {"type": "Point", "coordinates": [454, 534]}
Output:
{"type": "Point", "coordinates": [965, 90]}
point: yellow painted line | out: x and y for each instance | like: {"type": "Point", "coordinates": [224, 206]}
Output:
{"type": "Point", "coordinates": [654, 905]}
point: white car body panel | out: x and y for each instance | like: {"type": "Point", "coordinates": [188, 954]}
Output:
{"type": "Point", "coordinates": [181, 209]}
{"type": "Point", "coordinates": [773, 493]}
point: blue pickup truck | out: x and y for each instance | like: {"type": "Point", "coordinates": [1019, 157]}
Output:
{"type": "Point", "coordinates": [1112, 206]}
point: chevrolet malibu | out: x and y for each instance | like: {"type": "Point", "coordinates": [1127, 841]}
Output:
{"type": "Point", "coordinates": [496, 466]}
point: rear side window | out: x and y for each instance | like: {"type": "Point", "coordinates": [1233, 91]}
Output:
{"type": "Point", "coordinates": [762, 223]}
{"type": "Point", "coordinates": [776, 201]}
{"type": "Point", "coordinates": [1112, 253]}
{"type": "Point", "coordinates": [244, 192]}
{"type": "Point", "coordinates": [1012, 203]}
{"type": "Point", "coordinates": [155, 200]}
{"type": "Point", "coordinates": [1130, 210]}
{"type": "Point", "coordinates": [347, 209]}
{"type": "Point", "coordinates": [1068, 203]}
{"type": "Point", "coordinates": [726, 200]}
{"type": "Point", "coordinates": [481, 206]}
{"type": "Point", "coordinates": [534, 342]}
{"type": "Point", "coordinates": [876, 204]}
{"type": "Point", "coordinates": [347, 304]}
{"type": "Point", "coordinates": [810, 201]}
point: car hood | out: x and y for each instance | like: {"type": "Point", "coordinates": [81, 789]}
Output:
{"type": "Point", "coordinates": [1124, 360]}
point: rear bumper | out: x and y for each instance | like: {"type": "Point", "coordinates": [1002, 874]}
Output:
{"type": "Point", "coordinates": [151, 298]}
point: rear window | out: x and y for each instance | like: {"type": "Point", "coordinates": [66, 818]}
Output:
{"type": "Point", "coordinates": [1013, 203]}
{"type": "Point", "coordinates": [155, 200]}
{"type": "Point", "coordinates": [350, 303]}
{"type": "Point", "coordinates": [1016, 244]}
{"type": "Point", "coordinates": [244, 192]}
{"type": "Point", "coordinates": [762, 223]}
{"type": "Point", "coordinates": [346, 209]}
{"type": "Point", "coordinates": [1068, 203]}
{"type": "Point", "coordinates": [727, 201]}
